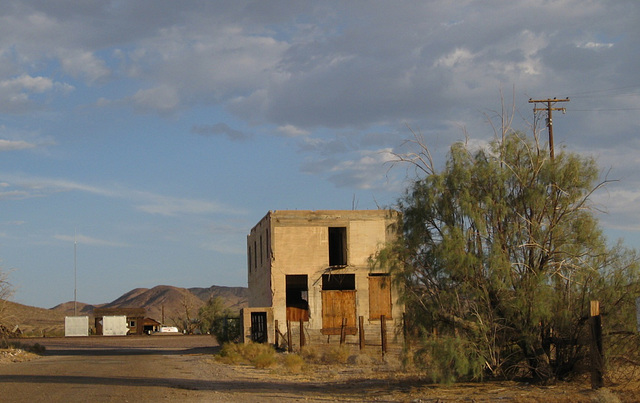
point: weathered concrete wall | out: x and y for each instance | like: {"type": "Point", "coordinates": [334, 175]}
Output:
{"type": "Point", "coordinates": [259, 264]}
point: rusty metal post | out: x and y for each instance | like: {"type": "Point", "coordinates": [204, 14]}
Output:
{"type": "Point", "coordinates": [276, 336]}
{"type": "Point", "coordinates": [302, 341]}
{"type": "Point", "coordinates": [383, 334]}
{"type": "Point", "coordinates": [361, 331]}
{"type": "Point", "coordinates": [597, 358]}
{"type": "Point", "coordinates": [343, 331]}
{"type": "Point", "coordinates": [289, 346]}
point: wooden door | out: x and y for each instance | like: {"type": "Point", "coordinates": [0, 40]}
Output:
{"type": "Point", "coordinates": [336, 305]}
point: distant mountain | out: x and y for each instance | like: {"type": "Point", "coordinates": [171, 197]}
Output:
{"type": "Point", "coordinates": [32, 321]}
{"type": "Point", "coordinates": [160, 302]}
{"type": "Point", "coordinates": [167, 303]}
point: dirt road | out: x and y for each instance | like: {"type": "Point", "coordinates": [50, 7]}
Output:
{"type": "Point", "coordinates": [112, 369]}
{"type": "Point", "coordinates": [181, 368]}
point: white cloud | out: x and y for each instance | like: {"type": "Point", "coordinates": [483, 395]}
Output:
{"type": "Point", "coordinates": [596, 45]}
{"type": "Point", "coordinates": [29, 187]}
{"type": "Point", "coordinates": [162, 99]}
{"type": "Point", "coordinates": [87, 240]}
{"type": "Point", "coordinates": [85, 64]}
{"type": "Point", "coordinates": [16, 92]}
{"type": "Point", "coordinates": [171, 206]}
{"type": "Point", "coordinates": [457, 57]}
{"type": "Point", "coordinates": [12, 145]}
{"type": "Point", "coordinates": [292, 131]}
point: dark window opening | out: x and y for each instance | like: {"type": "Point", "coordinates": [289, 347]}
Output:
{"type": "Point", "coordinates": [338, 282]}
{"type": "Point", "coordinates": [255, 255]}
{"type": "Point", "coordinates": [297, 291]}
{"type": "Point", "coordinates": [297, 295]}
{"type": "Point", "coordinates": [337, 246]}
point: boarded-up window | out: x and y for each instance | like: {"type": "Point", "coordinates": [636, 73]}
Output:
{"type": "Point", "coordinates": [379, 296]}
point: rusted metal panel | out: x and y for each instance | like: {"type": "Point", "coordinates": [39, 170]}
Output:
{"type": "Point", "coordinates": [336, 305]}
{"type": "Point", "coordinates": [297, 314]}
{"type": "Point", "coordinates": [379, 297]}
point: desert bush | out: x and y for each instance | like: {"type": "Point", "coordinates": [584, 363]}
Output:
{"type": "Point", "coordinates": [265, 359]}
{"type": "Point", "coordinates": [293, 362]}
{"type": "Point", "coordinates": [336, 355]}
{"type": "Point", "coordinates": [230, 354]}
{"type": "Point", "coordinates": [219, 321]}
{"type": "Point", "coordinates": [259, 355]}
{"type": "Point", "coordinates": [36, 348]}
{"type": "Point", "coordinates": [310, 354]}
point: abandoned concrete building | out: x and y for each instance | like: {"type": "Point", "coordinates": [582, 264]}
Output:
{"type": "Point", "coordinates": [312, 268]}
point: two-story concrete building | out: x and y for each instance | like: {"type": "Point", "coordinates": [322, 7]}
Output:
{"type": "Point", "coordinates": [313, 266]}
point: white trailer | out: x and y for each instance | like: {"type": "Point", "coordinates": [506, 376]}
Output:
{"type": "Point", "coordinates": [75, 326]}
{"type": "Point", "coordinates": [114, 325]}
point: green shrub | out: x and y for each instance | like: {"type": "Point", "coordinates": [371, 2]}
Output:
{"type": "Point", "coordinates": [448, 359]}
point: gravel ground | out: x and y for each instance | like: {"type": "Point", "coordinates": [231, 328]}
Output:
{"type": "Point", "coordinates": [152, 368]}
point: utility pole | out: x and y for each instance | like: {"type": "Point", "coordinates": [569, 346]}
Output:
{"type": "Point", "coordinates": [549, 110]}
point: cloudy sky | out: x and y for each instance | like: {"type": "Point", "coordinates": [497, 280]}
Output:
{"type": "Point", "coordinates": [156, 133]}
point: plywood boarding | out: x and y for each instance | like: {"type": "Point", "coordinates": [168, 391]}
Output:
{"type": "Point", "coordinates": [336, 305]}
{"type": "Point", "coordinates": [379, 297]}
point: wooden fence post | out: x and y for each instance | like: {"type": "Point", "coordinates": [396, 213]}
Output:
{"type": "Point", "coordinates": [343, 331]}
{"type": "Point", "coordinates": [361, 331]}
{"type": "Point", "coordinates": [383, 334]}
{"type": "Point", "coordinates": [289, 346]}
{"type": "Point", "coordinates": [276, 338]}
{"type": "Point", "coordinates": [302, 341]}
{"type": "Point", "coordinates": [597, 358]}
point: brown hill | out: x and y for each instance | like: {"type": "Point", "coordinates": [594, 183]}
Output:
{"type": "Point", "coordinates": [32, 321]}
{"type": "Point", "coordinates": [163, 303]}
{"type": "Point", "coordinates": [170, 303]}
{"type": "Point", "coordinates": [80, 308]}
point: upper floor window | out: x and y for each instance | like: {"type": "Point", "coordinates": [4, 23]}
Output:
{"type": "Point", "coordinates": [337, 246]}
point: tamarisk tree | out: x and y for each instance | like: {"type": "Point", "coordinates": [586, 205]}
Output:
{"type": "Point", "coordinates": [500, 255]}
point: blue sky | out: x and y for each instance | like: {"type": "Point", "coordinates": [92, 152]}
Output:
{"type": "Point", "coordinates": [155, 134]}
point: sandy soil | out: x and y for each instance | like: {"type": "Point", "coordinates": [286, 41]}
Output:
{"type": "Point", "coordinates": [152, 368]}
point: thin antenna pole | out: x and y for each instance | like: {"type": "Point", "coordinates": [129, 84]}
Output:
{"type": "Point", "coordinates": [75, 275]}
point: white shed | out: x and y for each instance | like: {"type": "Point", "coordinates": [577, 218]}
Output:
{"type": "Point", "coordinates": [76, 326]}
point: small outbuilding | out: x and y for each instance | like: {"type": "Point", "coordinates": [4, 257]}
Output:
{"type": "Point", "coordinates": [120, 321]}
{"type": "Point", "coordinates": [75, 326]}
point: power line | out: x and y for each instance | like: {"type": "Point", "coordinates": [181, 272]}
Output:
{"type": "Point", "coordinates": [618, 90]}
{"type": "Point", "coordinates": [605, 110]}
